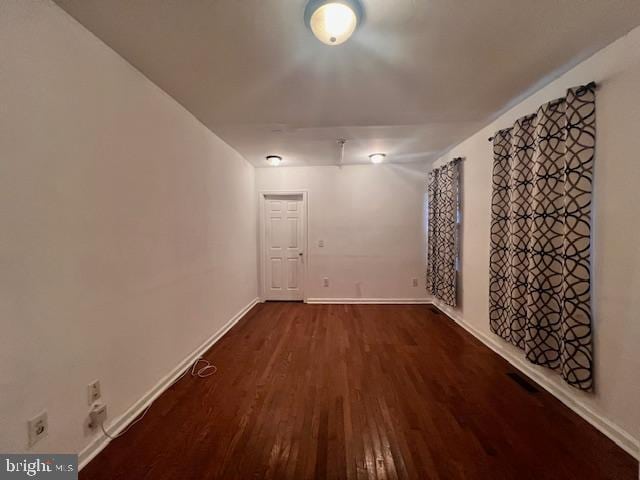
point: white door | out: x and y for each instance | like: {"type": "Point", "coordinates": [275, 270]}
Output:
{"type": "Point", "coordinates": [283, 255]}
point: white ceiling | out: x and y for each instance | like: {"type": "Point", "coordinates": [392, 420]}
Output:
{"type": "Point", "coordinates": [416, 78]}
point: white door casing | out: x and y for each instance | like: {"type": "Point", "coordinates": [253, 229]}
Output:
{"type": "Point", "coordinates": [283, 246]}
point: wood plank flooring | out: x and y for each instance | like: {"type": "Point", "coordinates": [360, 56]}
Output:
{"type": "Point", "coordinates": [357, 392]}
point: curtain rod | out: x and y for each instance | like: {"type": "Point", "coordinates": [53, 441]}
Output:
{"type": "Point", "coordinates": [453, 160]}
{"type": "Point", "coordinates": [591, 84]}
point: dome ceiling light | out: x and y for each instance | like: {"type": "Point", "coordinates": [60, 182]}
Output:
{"type": "Point", "coordinates": [377, 157]}
{"type": "Point", "coordinates": [274, 160]}
{"type": "Point", "coordinates": [333, 21]}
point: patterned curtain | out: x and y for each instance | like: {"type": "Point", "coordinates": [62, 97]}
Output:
{"type": "Point", "coordinates": [442, 243]}
{"type": "Point", "coordinates": [540, 280]}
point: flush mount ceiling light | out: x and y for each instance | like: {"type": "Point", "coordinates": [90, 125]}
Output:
{"type": "Point", "coordinates": [274, 160]}
{"type": "Point", "coordinates": [377, 157]}
{"type": "Point", "coordinates": [333, 21]}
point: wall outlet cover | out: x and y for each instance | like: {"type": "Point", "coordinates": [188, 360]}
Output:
{"type": "Point", "coordinates": [38, 428]}
{"type": "Point", "coordinates": [93, 392]}
{"type": "Point", "coordinates": [97, 415]}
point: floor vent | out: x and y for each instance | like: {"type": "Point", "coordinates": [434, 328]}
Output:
{"type": "Point", "coordinates": [523, 382]}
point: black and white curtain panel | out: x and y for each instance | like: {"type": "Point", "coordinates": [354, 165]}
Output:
{"type": "Point", "coordinates": [540, 279]}
{"type": "Point", "coordinates": [442, 242]}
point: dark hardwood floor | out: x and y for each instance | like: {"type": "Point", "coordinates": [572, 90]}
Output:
{"type": "Point", "coordinates": [357, 391]}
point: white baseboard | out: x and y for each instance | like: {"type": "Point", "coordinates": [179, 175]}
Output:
{"type": "Point", "coordinates": [617, 434]}
{"type": "Point", "coordinates": [120, 423]}
{"type": "Point", "coordinates": [371, 301]}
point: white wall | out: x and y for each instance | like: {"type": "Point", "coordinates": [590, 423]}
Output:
{"type": "Point", "coordinates": [371, 220]}
{"type": "Point", "coordinates": [128, 228]}
{"type": "Point", "coordinates": [616, 247]}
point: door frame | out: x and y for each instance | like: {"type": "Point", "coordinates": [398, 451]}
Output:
{"type": "Point", "coordinates": [262, 240]}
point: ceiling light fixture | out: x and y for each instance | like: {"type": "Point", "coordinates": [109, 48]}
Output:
{"type": "Point", "coordinates": [377, 157]}
{"type": "Point", "coordinates": [333, 21]}
{"type": "Point", "coordinates": [274, 160]}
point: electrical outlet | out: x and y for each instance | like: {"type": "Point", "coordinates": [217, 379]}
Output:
{"type": "Point", "coordinates": [321, 243]}
{"type": "Point", "coordinates": [415, 282]}
{"type": "Point", "coordinates": [38, 428]}
{"type": "Point", "coordinates": [325, 282]}
{"type": "Point", "coordinates": [97, 415]}
{"type": "Point", "coordinates": [93, 392]}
